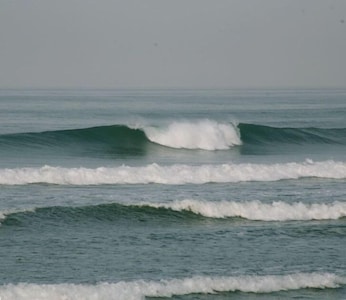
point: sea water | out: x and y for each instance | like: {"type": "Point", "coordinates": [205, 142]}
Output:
{"type": "Point", "coordinates": [173, 194]}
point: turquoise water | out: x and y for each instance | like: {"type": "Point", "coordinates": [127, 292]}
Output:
{"type": "Point", "coordinates": [182, 194]}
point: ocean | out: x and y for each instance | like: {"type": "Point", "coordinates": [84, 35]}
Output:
{"type": "Point", "coordinates": [173, 194]}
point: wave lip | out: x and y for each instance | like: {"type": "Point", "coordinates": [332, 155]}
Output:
{"type": "Point", "coordinates": [256, 210]}
{"type": "Point", "coordinates": [138, 290]}
{"type": "Point", "coordinates": [173, 174]}
{"type": "Point", "coordinates": [204, 135]}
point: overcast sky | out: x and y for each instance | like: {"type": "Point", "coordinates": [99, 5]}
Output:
{"type": "Point", "coordinates": [176, 43]}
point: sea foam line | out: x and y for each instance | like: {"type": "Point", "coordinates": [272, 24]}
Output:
{"type": "Point", "coordinates": [204, 134]}
{"type": "Point", "coordinates": [173, 174]}
{"type": "Point", "coordinates": [256, 210]}
{"type": "Point", "coordinates": [138, 290]}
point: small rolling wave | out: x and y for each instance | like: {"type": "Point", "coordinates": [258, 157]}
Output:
{"type": "Point", "coordinates": [114, 212]}
{"type": "Point", "coordinates": [140, 289]}
{"type": "Point", "coordinates": [119, 213]}
{"type": "Point", "coordinates": [188, 209]}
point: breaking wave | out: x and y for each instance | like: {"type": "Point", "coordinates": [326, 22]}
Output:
{"type": "Point", "coordinates": [173, 174]}
{"type": "Point", "coordinates": [140, 289]}
{"type": "Point", "coordinates": [201, 134]}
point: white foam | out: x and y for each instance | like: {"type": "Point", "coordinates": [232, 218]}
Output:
{"type": "Point", "coordinates": [173, 174]}
{"type": "Point", "coordinates": [256, 210]}
{"type": "Point", "coordinates": [138, 290]}
{"type": "Point", "coordinates": [204, 134]}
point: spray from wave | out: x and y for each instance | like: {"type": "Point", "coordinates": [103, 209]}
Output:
{"type": "Point", "coordinates": [205, 135]}
{"type": "Point", "coordinates": [138, 290]}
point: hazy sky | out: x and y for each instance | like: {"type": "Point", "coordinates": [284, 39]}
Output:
{"type": "Point", "coordinates": [176, 43]}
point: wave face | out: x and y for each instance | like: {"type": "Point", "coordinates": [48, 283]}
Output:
{"type": "Point", "coordinates": [117, 139]}
{"type": "Point", "coordinates": [138, 290]}
{"type": "Point", "coordinates": [173, 174]}
{"type": "Point", "coordinates": [203, 134]}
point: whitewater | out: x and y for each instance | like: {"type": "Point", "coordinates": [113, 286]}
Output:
{"type": "Point", "coordinates": [257, 210]}
{"type": "Point", "coordinates": [174, 174]}
{"type": "Point", "coordinates": [204, 134]}
{"type": "Point", "coordinates": [139, 290]}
